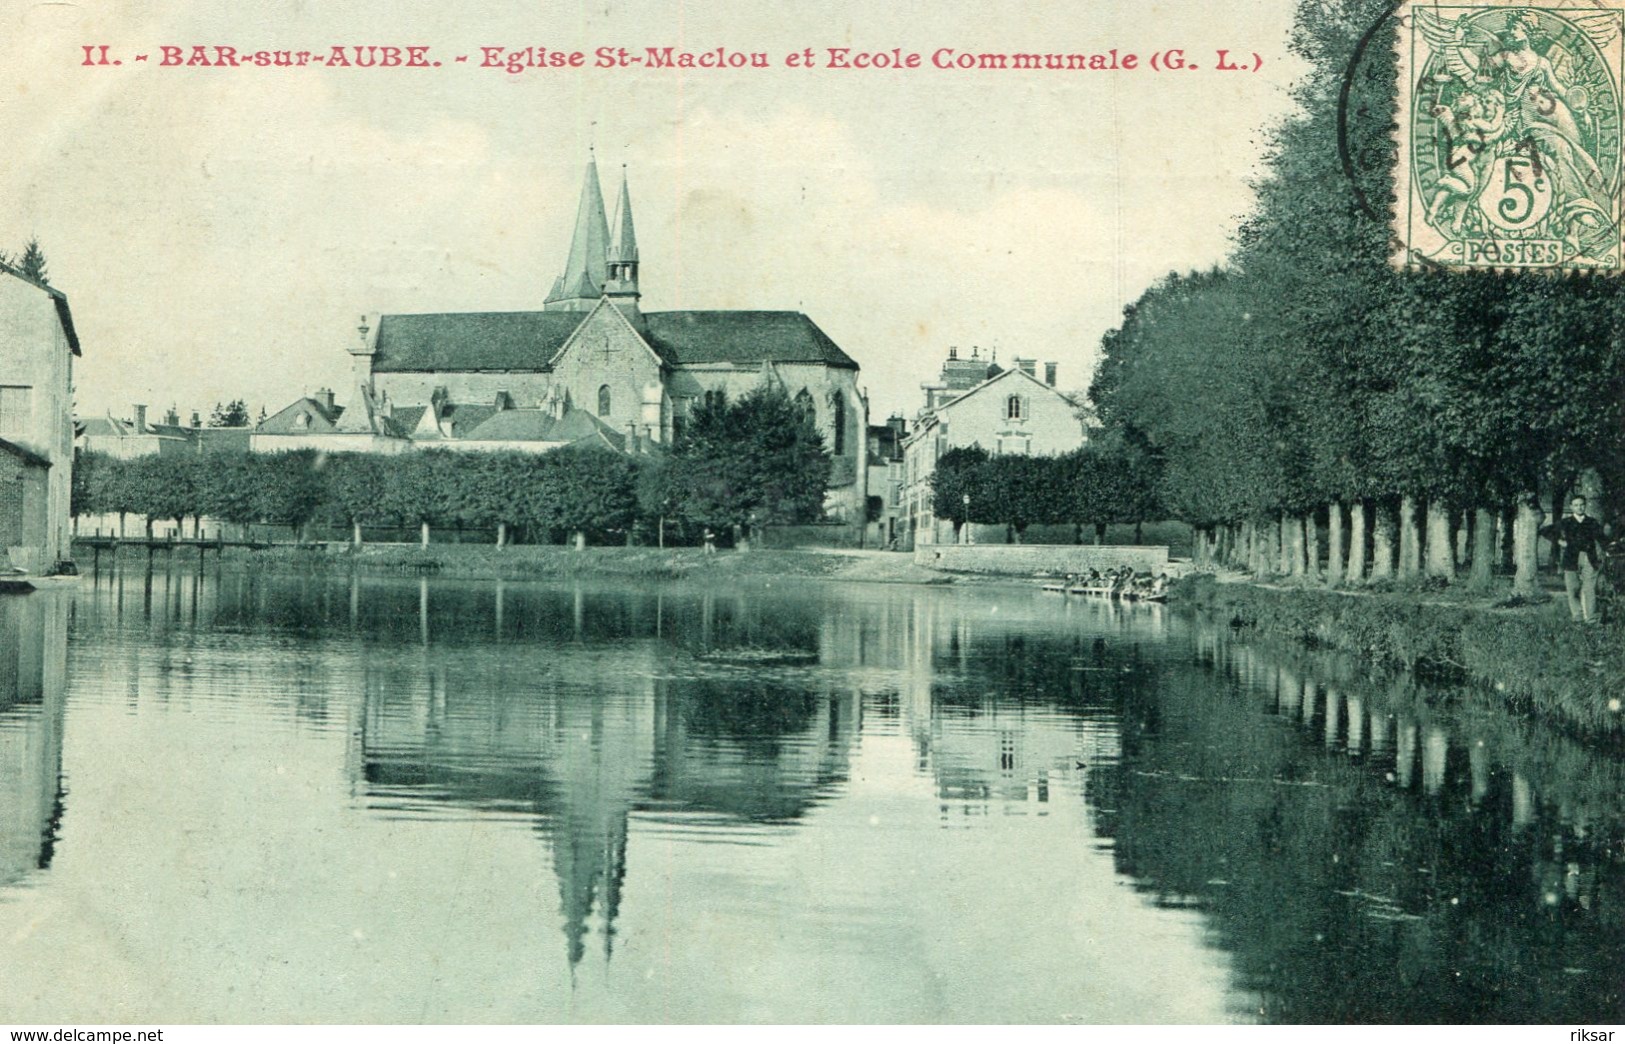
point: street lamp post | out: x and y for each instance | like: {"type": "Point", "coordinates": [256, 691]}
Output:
{"type": "Point", "coordinates": [966, 515]}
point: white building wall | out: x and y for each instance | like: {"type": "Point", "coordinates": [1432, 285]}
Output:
{"type": "Point", "coordinates": [34, 354]}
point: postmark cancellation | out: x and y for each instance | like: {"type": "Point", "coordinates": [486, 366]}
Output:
{"type": "Point", "coordinates": [1509, 136]}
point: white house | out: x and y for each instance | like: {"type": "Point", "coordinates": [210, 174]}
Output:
{"type": "Point", "coordinates": [37, 346]}
{"type": "Point", "coordinates": [976, 402]}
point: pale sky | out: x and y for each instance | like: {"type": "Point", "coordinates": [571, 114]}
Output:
{"type": "Point", "coordinates": [219, 231]}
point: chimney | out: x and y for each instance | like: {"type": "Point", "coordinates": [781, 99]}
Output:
{"type": "Point", "coordinates": [140, 418]}
{"type": "Point", "coordinates": [896, 423]}
{"type": "Point", "coordinates": [172, 418]}
{"type": "Point", "coordinates": [1049, 374]}
{"type": "Point", "coordinates": [325, 397]}
{"type": "Point", "coordinates": [953, 352]}
{"type": "Point", "coordinates": [197, 420]}
{"type": "Point", "coordinates": [503, 401]}
{"type": "Point", "coordinates": [634, 439]}
{"type": "Point", "coordinates": [1028, 366]}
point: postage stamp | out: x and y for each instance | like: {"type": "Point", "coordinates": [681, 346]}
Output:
{"type": "Point", "coordinates": [1510, 135]}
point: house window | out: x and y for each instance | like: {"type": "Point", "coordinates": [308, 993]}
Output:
{"type": "Point", "coordinates": [804, 403]}
{"type": "Point", "coordinates": [1012, 408]}
{"type": "Point", "coordinates": [603, 401]}
{"type": "Point", "coordinates": [837, 404]}
{"type": "Point", "coordinates": [16, 409]}
{"type": "Point", "coordinates": [302, 421]}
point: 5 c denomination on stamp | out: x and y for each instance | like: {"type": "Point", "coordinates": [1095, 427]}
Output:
{"type": "Point", "coordinates": [1510, 135]}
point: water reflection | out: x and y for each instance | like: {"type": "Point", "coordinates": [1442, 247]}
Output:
{"type": "Point", "coordinates": [33, 650]}
{"type": "Point", "coordinates": [1375, 849]}
{"type": "Point", "coordinates": [861, 804]}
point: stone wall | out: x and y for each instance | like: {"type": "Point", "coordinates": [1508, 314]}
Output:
{"type": "Point", "coordinates": [1028, 559]}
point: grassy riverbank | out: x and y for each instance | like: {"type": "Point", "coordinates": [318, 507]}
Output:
{"type": "Point", "coordinates": [1533, 655]}
{"type": "Point", "coordinates": [544, 562]}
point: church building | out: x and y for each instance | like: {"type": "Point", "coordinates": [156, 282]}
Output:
{"type": "Point", "coordinates": [590, 365]}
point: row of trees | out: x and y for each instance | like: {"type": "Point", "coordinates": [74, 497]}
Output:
{"type": "Point", "coordinates": [738, 465]}
{"type": "Point", "coordinates": [1102, 483]}
{"type": "Point", "coordinates": [1310, 406]}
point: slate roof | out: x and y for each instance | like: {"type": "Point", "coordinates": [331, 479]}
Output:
{"type": "Point", "coordinates": [465, 341]}
{"type": "Point", "coordinates": [525, 341]}
{"type": "Point", "coordinates": [689, 338]}
{"type": "Point", "coordinates": [541, 426]}
{"type": "Point", "coordinates": [102, 427]}
{"type": "Point", "coordinates": [282, 421]}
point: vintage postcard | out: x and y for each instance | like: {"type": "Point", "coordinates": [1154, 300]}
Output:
{"type": "Point", "coordinates": [525, 514]}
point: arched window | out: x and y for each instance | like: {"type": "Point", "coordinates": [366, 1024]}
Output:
{"type": "Point", "coordinates": [603, 400]}
{"type": "Point", "coordinates": [837, 410]}
{"type": "Point", "coordinates": [804, 403]}
{"type": "Point", "coordinates": [1012, 408]}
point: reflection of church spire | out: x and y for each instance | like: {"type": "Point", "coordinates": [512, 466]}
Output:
{"type": "Point", "coordinates": [582, 283]}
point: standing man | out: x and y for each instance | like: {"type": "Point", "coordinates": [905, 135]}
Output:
{"type": "Point", "coordinates": [1579, 542]}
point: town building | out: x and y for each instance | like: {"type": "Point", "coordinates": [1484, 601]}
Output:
{"type": "Point", "coordinates": [591, 364]}
{"type": "Point", "coordinates": [885, 482]}
{"type": "Point", "coordinates": [37, 346]}
{"type": "Point", "coordinates": [976, 402]}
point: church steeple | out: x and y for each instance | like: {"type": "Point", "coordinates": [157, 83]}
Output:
{"type": "Point", "coordinates": [622, 286]}
{"type": "Point", "coordinates": [582, 283]}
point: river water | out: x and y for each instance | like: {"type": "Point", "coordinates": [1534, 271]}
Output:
{"type": "Point", "coordinates": [235, 798]}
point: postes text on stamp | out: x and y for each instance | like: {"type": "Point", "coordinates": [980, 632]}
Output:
{"type": "Point", "coordinates": [1510, 135]}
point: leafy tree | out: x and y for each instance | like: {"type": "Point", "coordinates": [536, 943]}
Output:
{"type": "Point", "coordinates": [423, 489]}
{"type": "Point", "coordinates": [758, 460]}
{"type": "Point", "coordinates": [358, 488]}
{"type": "Point", "coordinates": [32, 262]}
{"type": "Point", "coordinates": [957, 477]}
{"type": "Point", "coordinates": [585, 490]}
{"type": "Point", "coordinates": [233, 414]}
{"type": "Point", "coordinates": [288, 488]}
{"type": "Point", "coordinates": [493, 491]}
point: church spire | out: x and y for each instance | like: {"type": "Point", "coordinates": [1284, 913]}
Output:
{"type": "Point", "coordinates": [622, 286]}
{"type": "Point", "coordinates": [582, 283]}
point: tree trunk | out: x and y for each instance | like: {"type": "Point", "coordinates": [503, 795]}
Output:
{"type": "Point", "coordinates": [1525, 530]}
{"type": "Point", "coordinates": [1382, 543]}
{"type": "Point", "coordinates": [1100, 533]}
{"type": "Point", "coordinates": [1441, 562]}
{"type": "Point", "coordinates": [355, 532]}
{"type": "Point", "coordinates": [1464, 523]}
{"type": "Point", "coordinates": [1299, 552]}
{"type": "Point", "coordinates": [1485, 552]}
{"type": "Point", "coordinates": [424, 535]}
{"type": "Point", "coordinates": [1334, 543]}
{"type": "Point", "coordinates": [1311, 546]}
{"type": "Point", "coordinates": [1355, 573]}
{"type": "Point", "coordinates": [579, 540]}
{"type": "Point", "coordinates": [502, 534]}
{"type": "Point", "coordinates": [1410, 538]}
{"type": "Point", "coordinates": [1138, 531]}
